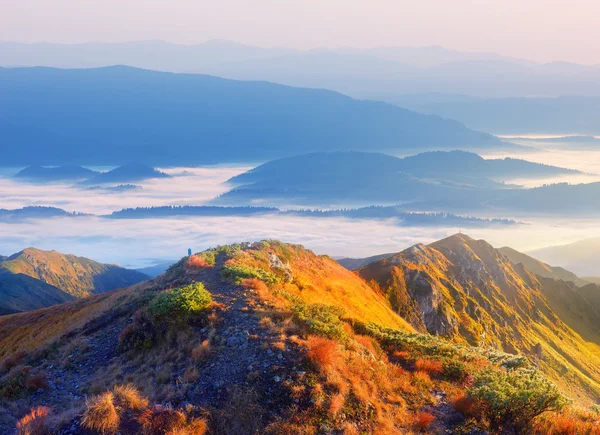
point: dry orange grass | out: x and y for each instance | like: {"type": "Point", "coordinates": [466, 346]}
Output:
{"type": "Point", "coordinates": [195, 427]}
{"type": "Point", "coordinates": [160, 420]}
{"type": "Point", "coordinates": [195, 262]}
{"type": "Point", "coordinates": [567, 424]}
{"type": "Point", "coordinates": [429, 366]}
{"type": "Point", "coordinates": [128, 397]}
{"type": "Point", "coordinates": [423, 420]}
{"type": "Point", "coordinates": [34, 423]}
{"type": "Point", "coordinates": [100, 414]}
{"type": "Point", "coordinates": [322, 351]}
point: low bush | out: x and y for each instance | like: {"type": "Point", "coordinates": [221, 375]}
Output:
{"type": "Point", "coordinates": [20, 380]}
{"type": "Point", "coordinates": [35, 422]}
{"type": "Point", "coordinates": [238, 272]}
{"type": "Point", "coordinates": [321, 319]}
{"type": "Point", "coordinates": [515, 397]}
{"type": "Point", "coordinates": [455, 371]}
{"type": "Point", "coordinates": [180, 302]}
{"type": "Point", "coordinates": [100, 414]}
{"type": "Point", "coordinates": [140, 334]}
{"type": "Point", "coordinates": [14, 360]}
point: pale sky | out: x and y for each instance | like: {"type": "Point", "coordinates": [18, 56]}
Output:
{"type": "Point", "coordinates": [541, 30]}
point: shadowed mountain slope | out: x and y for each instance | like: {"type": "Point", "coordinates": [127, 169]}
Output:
{"type": "Point", "coordinates": [20, 292]}
{"type": "Point", "coordinates": [76, 276]}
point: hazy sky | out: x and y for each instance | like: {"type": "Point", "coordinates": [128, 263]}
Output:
{"type": "Point", "coordinates": [542, 30]}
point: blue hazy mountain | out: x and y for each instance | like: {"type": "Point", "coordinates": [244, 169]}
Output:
{"type": "Point", "coordinates": [55, 173]}
{"type": "Point", "coordinates": [379, 177]}
{"type": "Point", "coordinates": [372, 212]}
{"type": "Point", "coordinates": [456, 182]}
{"type": "Point", "coordinates": [558, 115]}
{"type": "Point", "coordinates": [131, 172]}
{"type": "Point", "coordinates": [380, 72]}
{"type": "Point", "coordinates": [34, 212]}
{"type": "Point", "coordinates": [121, 114]}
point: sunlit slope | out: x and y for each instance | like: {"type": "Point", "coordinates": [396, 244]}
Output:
{"type": "Point", "coordinates": [467, 291]}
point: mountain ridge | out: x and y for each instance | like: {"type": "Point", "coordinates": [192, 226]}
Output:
{"type": "Point", "coordinates": [32, 279]}
{"type": "Point", "coordinates": [194, 119]}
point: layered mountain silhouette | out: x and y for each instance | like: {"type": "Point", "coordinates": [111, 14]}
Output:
{"type": "Point", "coordinates": [380, 72]}
{"type": "Point", "coordinates": [56, 173]}
{"type": "Point", "coordinates": [33, 279]}
{"type": "Point", "coordinates": [436, 181]}
{"type": "Point", "coordinates": [128, 173]}
{"type": "Point", "coordinates": [551, 115]}
{"type": "Point", "coordinates": [286, 326]}
{"type": "Point", "coordinates": [169, 119]}
{"type": "Point", "coordinates": [34, 212]}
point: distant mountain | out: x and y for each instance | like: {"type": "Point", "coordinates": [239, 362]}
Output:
{"type": "Point", "coordinates": [168, 119]}
{"type": "Point", "coordinates": [581, 257]}
{"type": "Point", "coordinates": [540, 268]}
{"type": "Point", "coordinates": [165, 56]}
{"type": "Point", "coordinates": [592, 279]}
{"type": "Point", "coordinates": [34, 212]}
{"type": "Point", "coordinates": [376, 73]}
{"type": "Point", "coordinates": [20, 292]}
{"type": "Point", "coordinates": [357, 263]}
{"type": "Point", "coordinates": [131, 172]}
{"type": "Point", "coordinates": [157, 269]}
{"type": "Point", "coordinates": [401, 217]}
{"type": "Point", "coordinates": [435, 176]}
{"type": "Point", "coordinates": [56, 173]}
{"type": "Point", "coordinates": [563, 115]}
{"type": "Point", "coordinates": [76, 276]}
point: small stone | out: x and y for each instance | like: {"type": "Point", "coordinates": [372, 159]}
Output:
{"type": "Point", "coordinates": [276, 378]}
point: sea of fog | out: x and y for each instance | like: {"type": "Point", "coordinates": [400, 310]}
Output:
{"type": "Point", "coordinates": [143, 242]}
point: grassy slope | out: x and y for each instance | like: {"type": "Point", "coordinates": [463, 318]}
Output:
{"type": "Point", "coordinates": [77, 276]}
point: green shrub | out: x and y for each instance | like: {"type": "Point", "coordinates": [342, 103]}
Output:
{"type": "Point", "coordinates": [209, 256]}
{"type": "Point", "coordinates": [455, 370]}
{"type": "Point", "coordinates": [180, 302]}
{"type": "Point", "coordinates": [321, 319]}
{"type": "Point", "coordinates": [238, 273]}
{"type": "Point", "coordinates": [516, 396]}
